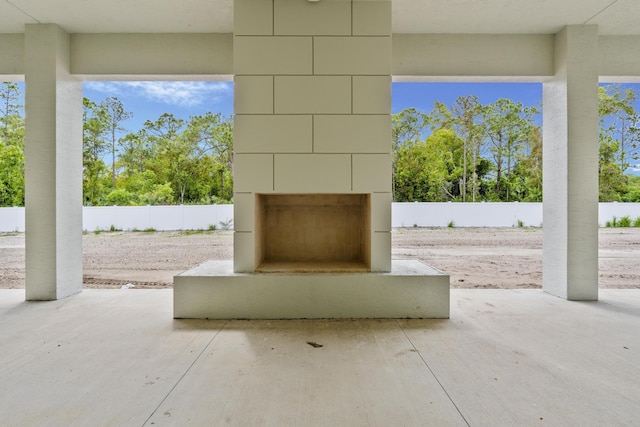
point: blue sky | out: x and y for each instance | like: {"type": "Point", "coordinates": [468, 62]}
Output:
{"type": "Point", "coordinates": [148, 100]}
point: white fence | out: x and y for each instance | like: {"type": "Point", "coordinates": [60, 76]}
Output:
{"type": "Point", "coordinates": [157, 217]}
{"type": "Point", "coordinates": [491, 214]}
{"type": "Point", "coordinates": [11, 219]}
{"type": "Point", "coordinates": [403, 215]}
{"type": "Point", "coordinates": [466, 214]}
{"type": "Point", "coordinates": [136, 217]}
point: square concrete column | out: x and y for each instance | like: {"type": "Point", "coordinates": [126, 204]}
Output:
{"type": "Point", "coordinates": [570, 162]}
{"type": "Point", "coordinates": [53, 166]}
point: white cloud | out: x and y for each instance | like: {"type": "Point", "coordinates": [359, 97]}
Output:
{"type": "Point", "coordinates": [183, 94]}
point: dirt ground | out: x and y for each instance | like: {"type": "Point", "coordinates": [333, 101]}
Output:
{"type": "Point", "coordinates": [473, 257]}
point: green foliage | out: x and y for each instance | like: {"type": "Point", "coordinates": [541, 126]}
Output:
{"type": "Point", "coordinates": [407, 128]}
{"type": "Point", "coordinates": [166, 162]}
{"type": "Point", "coordinates": [493, 152]}
{"type": "Point", "coordinates": [508, 126]}
{"type": "Point", "coordinates": [121, 197]}
{"type": "Point", "coordinates": [161, 194]}
{"type": "Point", "coordinates": [11, 121]}
{"type": "Point", "coordinates": [226, 225]}
{"type": "Point", "coordinates": [619, 143]}
{"type": "Point", "coordinates": [95, 179]}
{"type": "Point", "coordinates": [11, 146]}
{"type": "Point", "coordinates": [429, 170]}
{"type": "Point", "coordinates": [451, 224]}
{"type": "Point", "coordinates": [466, 151]}
{"type": "Point", "coordinates": [11, 176]}
{"type": "Point", "coordinates": [191, 232]}
{"type": "Point", "coordinates": [113, 114]}
{"type": "Point", "coordinates": [619, 124]}
{"type": "Point", "coordinates": [475, 153]}
{"type": "Point", "coordinates": [633, 189]}
{"type": "Point", "coordinates": [625, 221]}
{"type": "Point", "coordinates": [612, 181]}
{"type": "Point", "coordinates": [466, 120]}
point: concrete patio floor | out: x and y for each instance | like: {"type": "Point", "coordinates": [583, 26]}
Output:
{"type": "Point", "coordinates": [505, 358]}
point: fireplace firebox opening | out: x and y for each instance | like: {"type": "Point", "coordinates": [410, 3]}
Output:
{"type": "Point", "coordinates": [313, 233]}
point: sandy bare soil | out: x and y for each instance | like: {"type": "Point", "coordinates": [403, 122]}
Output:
{"type": "Point", "coordinates": [473, 257]}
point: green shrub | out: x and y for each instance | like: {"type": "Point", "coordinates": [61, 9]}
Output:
{"type": "Point", "coordinates": [451, 224]}
{"type": "Point", "coordinates": [121, 197]}
{"type": "Point", "coordinates": [161, 194]}
{"type": "Point", "coordinates": [192, 232]}
{"type": "Point", "coordinates": [625, 221]}
{"type": "Point", "coordinates": [226, 225]}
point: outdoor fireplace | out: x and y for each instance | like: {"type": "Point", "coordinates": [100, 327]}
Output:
{"type": "Point", "coordinates": [312, 173]}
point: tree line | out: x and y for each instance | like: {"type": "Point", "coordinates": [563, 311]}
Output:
{"type": "Point", "coordinates": [471, 152]}
{"type": "Point", "coordinates": [11, 146]}
{"type": "Point", "coordinates": [467, 151]}
{"type": "Point", "coordinates": [168, 161]}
